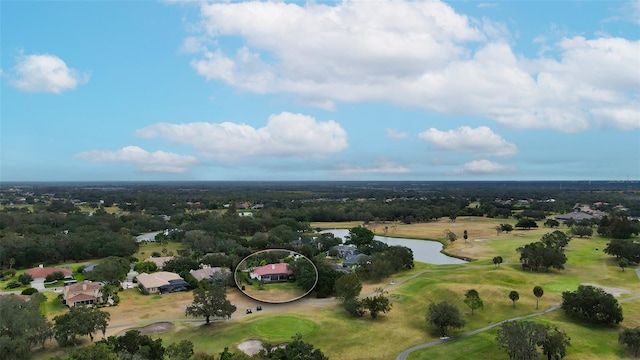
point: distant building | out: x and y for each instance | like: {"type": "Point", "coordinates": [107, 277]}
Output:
{"type": "Point", "coordinates": [353, 260]}
{"type": "Point", "coordinates": [577, 216]}
{"type": "Point", "coordinates": [344, 250]}
{"type": "Point", "coordinates": [211, 274]}
{"type": "Point", "coordinates": [160, 260]}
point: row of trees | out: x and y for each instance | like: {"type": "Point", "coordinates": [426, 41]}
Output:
{"type": "Point", "coordinates": [56, 235]}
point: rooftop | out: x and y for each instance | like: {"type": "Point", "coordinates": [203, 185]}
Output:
{"type": "Point", "coordinates": [279, 268]}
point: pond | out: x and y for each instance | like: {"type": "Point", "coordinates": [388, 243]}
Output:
{"type": "Point", "coordinates": [426, 251]}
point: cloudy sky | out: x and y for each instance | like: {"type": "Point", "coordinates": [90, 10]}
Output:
{"type": "Point", "coordinates": [353, 90]}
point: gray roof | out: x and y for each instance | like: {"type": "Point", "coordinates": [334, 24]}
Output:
{"type": "Point", "coordinates": [575, 216]}
{"type": "Point", "coordinates": [354, 259]}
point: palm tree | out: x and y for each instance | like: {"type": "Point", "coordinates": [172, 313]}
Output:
{"type": "Point", "coordinates": [514, 296]}
{"type": "Point", "coordinates": [538, 292]}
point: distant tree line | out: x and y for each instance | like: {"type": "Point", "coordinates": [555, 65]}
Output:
{"type": "Point", "coordinates": [56, 230]}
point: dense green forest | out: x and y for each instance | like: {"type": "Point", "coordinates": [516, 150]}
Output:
{"type": "Point", "coordinates": [51, 223]}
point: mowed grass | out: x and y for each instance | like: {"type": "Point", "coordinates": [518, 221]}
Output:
{"type": "Point", "coordinates": [327, 326]}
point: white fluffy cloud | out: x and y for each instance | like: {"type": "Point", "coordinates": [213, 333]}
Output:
{"type": "Point", "coordinates": [381, 166]}
{"type": "Point", "coordinates": [484, 167]}
{"type": "Point", "coordinates": [45, 73]}
{"type": "Point", "coordinates": [481, 140]}
{"type": "Point", "coordinates": [285, 135]}
{"type": "Point", "coordinates": [158, 161]}
{"type": "Point", "coordinates": [419, 54]}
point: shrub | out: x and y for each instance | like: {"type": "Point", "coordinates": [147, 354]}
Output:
{"type": "Point", "coordinates": [29, 291]}
{"type": "Point", "coordinates": [12, 285]}
{"type": "Point", "coordinates": [25, 278]}
{"type": "Point", "coordinates": [58, 275]}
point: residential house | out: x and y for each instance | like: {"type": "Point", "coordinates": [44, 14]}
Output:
{"type": "Point", "coordinates": [40, 273]}
{"type": "Point", "coordinates": [18, 296]}
{"type": "Point", "coordinates": [160, 260]}
{"type": "Point", "coordinates": [304, 240]}
{"type": "Point", "coordinates": [353, 260]}
{"type": "Point", "coordinates": [272, 272]}
{"type": "Point", "coordinates": [161, 282]}
{"type": "Point", "coordinates": [84, 293]}
{"type": "Point", "coordinates": [577, 216]}
{"type": "Point", "coordinates": [343, 251]}
{"type": "Point", "coordinates": [211, 274]}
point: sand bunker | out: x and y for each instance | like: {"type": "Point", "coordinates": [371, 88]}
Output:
{"type": "Point", "coordinates": [250, 347]}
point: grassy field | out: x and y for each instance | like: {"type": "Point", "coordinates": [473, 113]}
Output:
{"type": "Point", "coordinates": [146, 249]}
{"type": "Point", "coordinates": [323, 323]}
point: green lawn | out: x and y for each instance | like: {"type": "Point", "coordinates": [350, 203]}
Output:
{"type": "Point", "coordinates": [345, 338]}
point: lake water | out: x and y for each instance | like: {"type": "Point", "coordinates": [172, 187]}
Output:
{"type": "Point", "coordinates": [425, 251]}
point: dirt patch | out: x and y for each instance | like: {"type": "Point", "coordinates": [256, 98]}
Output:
{"type": "Point", "coordinates": [154, 328]}
{"type": "Point", "coordinates": [250, 347]}
{"type": "Point", "coordinates": [611, 290]}
{"type": "Point", "coordinates": [274, 295]}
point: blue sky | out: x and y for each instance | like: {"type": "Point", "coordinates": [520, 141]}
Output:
{"type": "Point", "coordinates": [372, 90]}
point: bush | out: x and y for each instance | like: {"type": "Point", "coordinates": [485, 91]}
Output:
{"type": "Point", "coordinates": [12, 285]}
{"type": "Point", "coordinates": [29, 291]}
{"type": "Point", "coordinates": [58, 275]}
{"type": "Point", "coordinates": [25, 278]}
{"type": "Point", "coordinates": [7, 274]}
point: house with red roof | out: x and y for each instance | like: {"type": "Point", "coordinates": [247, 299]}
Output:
{"type": "Point", "coordinates": [40, 273]}
{"type": "Point", "coordinates": [84, 293]}
{"type": "Point", "coordinates": [19, 296]}
{"type": "Point", "coordinates": [271, 272]}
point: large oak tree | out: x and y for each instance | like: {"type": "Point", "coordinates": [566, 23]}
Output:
{"type": "Point", "coordinates": [210, 301]}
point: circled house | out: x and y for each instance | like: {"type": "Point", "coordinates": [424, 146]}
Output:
{"type": "Point", "coordinates": [271, 272]}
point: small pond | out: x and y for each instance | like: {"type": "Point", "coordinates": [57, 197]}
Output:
{"type": "Point", "coordinates": [426, 251]}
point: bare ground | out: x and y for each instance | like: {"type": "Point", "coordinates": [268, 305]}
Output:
{"type": "Point", "coordinates": [611, 290]}
{"type": "Point", "coordinates": [154, 328]}
{"type": "Point", "coordinates": [274, 295]}
{"type": "Point", "coordinates": [250, 347]}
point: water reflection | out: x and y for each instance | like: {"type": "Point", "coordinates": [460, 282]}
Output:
{"type": "Point", "coordinates": [426, 251]}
